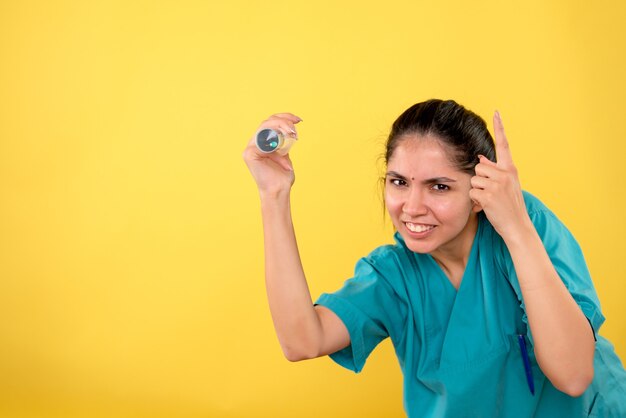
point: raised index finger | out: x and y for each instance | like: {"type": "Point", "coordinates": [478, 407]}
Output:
{"type": "Point", "coordinates": [503, 152]}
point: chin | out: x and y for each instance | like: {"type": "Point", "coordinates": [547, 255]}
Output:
{"type": "Point", "coordinates": [419, 247]}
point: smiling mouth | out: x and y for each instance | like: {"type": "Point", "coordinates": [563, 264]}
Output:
{"type": "Point", "coordinates": [418, 228]}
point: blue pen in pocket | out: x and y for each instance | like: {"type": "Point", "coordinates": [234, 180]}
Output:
{"type": "Point", "coordinates": [526, 360]}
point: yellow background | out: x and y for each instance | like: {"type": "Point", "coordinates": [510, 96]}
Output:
{"type": "Point", "coordinates": [131, 279]}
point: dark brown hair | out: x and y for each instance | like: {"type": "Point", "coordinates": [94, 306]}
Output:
{"type": "Point", "coordinates": [460, 129]}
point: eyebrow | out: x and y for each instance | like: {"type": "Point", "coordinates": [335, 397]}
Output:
{"type": "Point", "coordinates": [426, 181]}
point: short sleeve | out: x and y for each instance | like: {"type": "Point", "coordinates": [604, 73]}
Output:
{"type": "Point", "coordinates": [568, 260]}
{"type": "Point", "coordinates": [366, 306]}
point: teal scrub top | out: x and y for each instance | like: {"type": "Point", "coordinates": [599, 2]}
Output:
{"type": "Point", "coordinates": [460, 351]}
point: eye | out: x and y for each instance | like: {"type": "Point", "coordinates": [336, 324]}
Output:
{"type": "Point", "coordinates": [440, 187]}
{"type": "Point", "coordinates": [397, 182]}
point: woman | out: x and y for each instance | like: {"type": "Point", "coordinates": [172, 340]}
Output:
{"type": "Point", "coordinates": [485, 295]}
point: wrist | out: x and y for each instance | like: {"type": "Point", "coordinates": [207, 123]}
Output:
{"type": "Point", "coordinates": [275, 203]}
{"type": "Point", "coordinates": [275, 195]}
{"type": "Point", "coordinates": [275, 208]}
{"type": "Point", "coordinates": [519, 233]}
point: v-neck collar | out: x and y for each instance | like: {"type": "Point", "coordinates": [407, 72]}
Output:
{"type": "Point", "coordinates": [468, 267]}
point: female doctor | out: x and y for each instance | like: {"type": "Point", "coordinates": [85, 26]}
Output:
{"type": "Point", "coordinates": [485, 294]}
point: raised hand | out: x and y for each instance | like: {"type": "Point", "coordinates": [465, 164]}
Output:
{"type": "Point", "coordinates": [273, 173]}
{"type": "Point", "coordinates": [496, 187]}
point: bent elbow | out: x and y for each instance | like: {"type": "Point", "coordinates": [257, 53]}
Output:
{"type": "Point", "coordinates": [576, 389]}
{"type": "Point", "coordinates": [293, 354]}
{"type": "Point", "coordinates": [294, 358]}
{"type": "Point", "coordinates": [575, 386]}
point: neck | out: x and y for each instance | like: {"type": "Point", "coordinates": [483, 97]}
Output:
{"type": "Point", "coordinates": [453, 256]}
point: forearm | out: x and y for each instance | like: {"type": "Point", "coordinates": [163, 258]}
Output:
{"type": "Point", "coordinates": [563, 339]}
{"type": "Point", "coordinates": [297, 324]}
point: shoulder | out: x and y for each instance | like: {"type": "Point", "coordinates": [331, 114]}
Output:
{"type": "Point", "coordinates": [544, 220]}
{"type": "Point", "coordinates": [389, 256]}
{"type": "Point", "coordinates": [533, 204]}
{"type": "Point", "coordinates": [392, 264]}
{"type": "Point", "coordinates": [550, 229]}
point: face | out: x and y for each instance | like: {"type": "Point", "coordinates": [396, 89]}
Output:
{"type": "Point", "coordinates": [428, 198]}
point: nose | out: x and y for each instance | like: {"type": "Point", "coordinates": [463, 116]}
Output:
{"type": "Point", "coordinates": [415, 204]}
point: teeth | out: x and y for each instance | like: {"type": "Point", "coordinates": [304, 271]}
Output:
{"type": "Point", "coordinates": [418, 228]}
